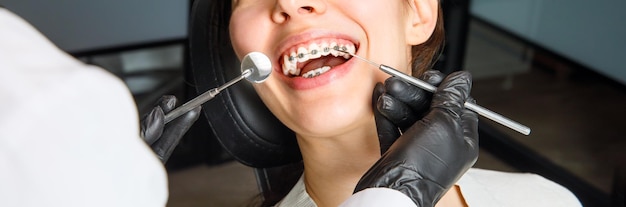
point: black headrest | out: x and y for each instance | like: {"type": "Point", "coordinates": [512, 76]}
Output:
{"type": "Point", "coordinates": [237, 116]}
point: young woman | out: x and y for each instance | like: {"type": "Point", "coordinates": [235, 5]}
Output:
{"type": "Point", "coordinates": [325, 97]}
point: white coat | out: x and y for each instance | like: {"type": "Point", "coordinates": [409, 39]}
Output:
{"type": "Point", "coordinates": [69, 132]}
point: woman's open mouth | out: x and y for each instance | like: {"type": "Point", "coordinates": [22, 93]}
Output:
{"type": "Point", "coordinates": [316, 58]}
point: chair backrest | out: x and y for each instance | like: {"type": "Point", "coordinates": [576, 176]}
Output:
{"type": "Point", "coordinates": [240, 121]}
{"type": "Point", "coordinates": [456, 25]}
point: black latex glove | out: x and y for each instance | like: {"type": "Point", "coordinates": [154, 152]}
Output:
{"type": "Point", "coordinates": [162, 137]}
{"type": "Point", "coordinates": [435, 151]}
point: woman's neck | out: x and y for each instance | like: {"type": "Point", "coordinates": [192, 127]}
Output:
{"type": "Point", "coordinates": [334, 165]}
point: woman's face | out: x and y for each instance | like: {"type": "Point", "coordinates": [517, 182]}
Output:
{"type": "Point", "coordinates": [313, 89]}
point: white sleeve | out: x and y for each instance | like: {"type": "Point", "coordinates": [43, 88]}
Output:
{"type": "Point", "coordinates": [69, 132]}
{"type": "Point", "coordinates": [482, 187]}
{"type": "Point", "coordinates": [378, 197]}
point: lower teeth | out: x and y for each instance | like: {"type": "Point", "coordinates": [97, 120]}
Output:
{"type": "Point", "coordinates": [316, 72]}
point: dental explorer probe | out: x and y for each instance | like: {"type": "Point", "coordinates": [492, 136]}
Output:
{"type": "Point", "coordinates": [423, 85]}
{"type": "Point", "coordinates": [255, 67]}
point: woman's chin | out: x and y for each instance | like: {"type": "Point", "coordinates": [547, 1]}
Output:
{"type": "Point", "coordinates": [326, 125]}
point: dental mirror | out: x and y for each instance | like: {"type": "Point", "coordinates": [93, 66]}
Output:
{"type": "Point", "coordinates": [256, 67]}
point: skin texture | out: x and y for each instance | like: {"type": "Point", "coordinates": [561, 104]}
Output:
{"type": "Point", "coordinates": [332, 113]}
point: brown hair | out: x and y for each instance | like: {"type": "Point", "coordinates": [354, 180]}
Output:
{"type": "Point", "coordinates": [425, 55]}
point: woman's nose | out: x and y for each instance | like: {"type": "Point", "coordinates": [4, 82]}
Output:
{"type": "Point", "coordinates": [293, 9]}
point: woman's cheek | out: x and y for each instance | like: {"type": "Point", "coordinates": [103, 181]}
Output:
{"type": "Point", "coordinates": [236, 38]}
{"type": "Point", "coordinates": [242, 25]}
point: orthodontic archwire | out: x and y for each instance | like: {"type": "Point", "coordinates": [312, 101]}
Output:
{"type": "Point", "coordinates": [342, 49]}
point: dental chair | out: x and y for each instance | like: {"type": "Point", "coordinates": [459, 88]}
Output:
{"type": "Point", "coordinates": [252, 135]}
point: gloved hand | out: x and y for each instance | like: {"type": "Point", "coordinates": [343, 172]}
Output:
{"type": "Point", "coordinates": [434, 151]}
{"type": "Point", "coordinates": [162, 137]}
{"type": "Point", "coordinates": [398, 105]}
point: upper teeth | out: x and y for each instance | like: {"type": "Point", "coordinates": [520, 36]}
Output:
{"type": "Point", "coordinates": [314, 51]}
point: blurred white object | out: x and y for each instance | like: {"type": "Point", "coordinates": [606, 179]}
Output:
{"type": "Point", "coordinates": [69, 133]}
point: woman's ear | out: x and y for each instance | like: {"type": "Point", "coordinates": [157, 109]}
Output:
{"type": "Point", "coordinates": [422, 19]}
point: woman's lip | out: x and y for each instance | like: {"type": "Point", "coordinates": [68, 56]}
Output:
{"type": "Point", "coordinates": [337, 72]}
